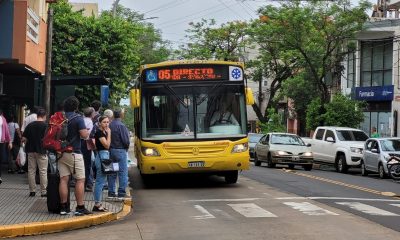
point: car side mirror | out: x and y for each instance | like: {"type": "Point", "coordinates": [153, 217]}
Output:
{"type": "Point", "coordinates": [330, 139]}
{"type": "Point", "coordinates": [374, 150]}
{"type": "Point", "coordinates": [308, 145]}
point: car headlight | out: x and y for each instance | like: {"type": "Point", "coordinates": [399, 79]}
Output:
{"type": "Point", "coordinates": [148, 151]}
{"type": "Point", "coordinates": [280, 153]}
{"type": "Point", "coordinates": [356, 150]}
{"type": "Point", "coordinates": [238, 148]}
{"type": "Point", "coordinates": [307, 154]}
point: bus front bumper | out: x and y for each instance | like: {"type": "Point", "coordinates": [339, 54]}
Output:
{"type": "Point", "coordinates": [150, 165]}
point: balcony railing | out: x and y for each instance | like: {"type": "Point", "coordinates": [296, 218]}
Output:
{"type": "Point", "coordinates": [33, 24]}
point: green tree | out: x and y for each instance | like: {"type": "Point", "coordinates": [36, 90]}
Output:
{"type": "Point", "coordinates": [208, 41]}
{"type": "Point", "coordinates": [343, 112]}
{"type": "Point", "coordinates": [314, 118]}
{"type": "Point", "coordinates": [312, 38]}
{"type": "Point", "coordinates": [107, 46]}
{"type": "Point", "coordinates": [274, 123]}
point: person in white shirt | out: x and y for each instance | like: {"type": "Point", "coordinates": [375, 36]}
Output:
{"type": "Point", "coordinates": [32, 117]}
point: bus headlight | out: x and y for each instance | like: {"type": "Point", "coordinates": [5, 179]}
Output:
{"type": "Point", "coordinates": [148, 151]}
{"type": "Point", "coordinates": [238, 148]}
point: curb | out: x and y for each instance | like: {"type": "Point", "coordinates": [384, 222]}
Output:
{"type": "Point", "coordinates": [37, 228]}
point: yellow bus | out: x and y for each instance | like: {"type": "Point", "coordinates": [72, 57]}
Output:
{"type": "Point", "coordinates": [190, 117]}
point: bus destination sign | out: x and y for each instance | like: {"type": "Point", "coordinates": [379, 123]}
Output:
{"type": "Point", "coordinates": [190, 73]}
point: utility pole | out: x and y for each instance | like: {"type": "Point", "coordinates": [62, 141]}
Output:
{"type": "Point", "coordinates": [49, 47]}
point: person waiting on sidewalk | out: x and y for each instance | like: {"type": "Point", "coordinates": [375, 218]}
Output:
{"type": "Point", "coordinates": [87, 154]}
{"type": "Point", "coordinates": [103, 141]}
{"type": "Point", "coordinates": [72, 162]}
{"type": "Point", "coordinates": [96, 104]}
{"type": "Point", "coordinates": [37, 157]}
{"type": "Point", "coordinates": [118, 152]}
{"type": "Point", "coordinates": [30, 118]}
{"type": "Point", "coordinates": [5, 140]}
{"type": "Point", "coordinates": [16, 137]}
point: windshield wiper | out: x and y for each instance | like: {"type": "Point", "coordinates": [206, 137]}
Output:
{"type": "Point", "coordinates": [213, 89]}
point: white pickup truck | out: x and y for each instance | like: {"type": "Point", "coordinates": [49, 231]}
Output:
{"type": "Point", "coordinates": [339, 146]}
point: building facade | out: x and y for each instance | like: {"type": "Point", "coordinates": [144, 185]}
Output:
{"type": "Point", "coordinates": [372, 75]}
{"type": "Point", "coordinates": [23, 31]}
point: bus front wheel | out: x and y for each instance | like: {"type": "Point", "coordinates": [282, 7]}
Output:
{"type": "Point", "coordinates": [231, 176]}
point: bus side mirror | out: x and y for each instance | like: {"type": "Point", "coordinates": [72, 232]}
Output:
{"type": "Point", "coordinates": [249, 96]}
{"type": "Point", "coordinates": [134, 96]}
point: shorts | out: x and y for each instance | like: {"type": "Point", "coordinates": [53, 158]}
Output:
{"type": "Point", "coordinates": [72, 164]}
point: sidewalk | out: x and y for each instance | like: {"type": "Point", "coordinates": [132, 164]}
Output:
{"type": "Point", "coordinates": [21, 215]}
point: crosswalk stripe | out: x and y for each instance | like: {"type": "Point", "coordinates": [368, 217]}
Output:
{"type": "Point", "coordinates": [206, 214]}
{"type": "Point", "coordinates": [309, 209]}
{"type": "Point", "coordinates": [395, 204]}
{"type": "Point", "coordinates": [251, 210]}
{"type": "Point", "coordinates": [367, 209]}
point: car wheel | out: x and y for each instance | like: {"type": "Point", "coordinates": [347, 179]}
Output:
{"type": "Point", "coordinates": [231, 177]}
{"type": "Point", "coordinates": [364, 171]}
{"type": "Point", "coordinates": [307, 167]}
{"type": "Point", "coordinates": [291, 166]}
{"type": "Point", "coordinates": [341, 165]}
{"type": "Point", "coordinates": [256, 161]}
{"type": "Point", "coordinates": [270, 164]}
{"type": "Point", "coordinates": [381, 171]}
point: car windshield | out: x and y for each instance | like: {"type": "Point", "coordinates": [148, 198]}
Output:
{"type": "Point", "coordinates": [390, 145]}
{"type": "Point", "coordinates": [176, 112]}
{"type": "Point", "coordinates": [349, 135]}
{"type": "Point", "coordinates": [286, 139]}
{"type": "Point", "coordinates": [254, 138]}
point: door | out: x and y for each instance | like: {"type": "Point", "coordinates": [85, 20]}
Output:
{"type": "Point", "coordinates": [329, 148]}
{"type": "Point", "coordinates": [260, 148]}
{"type": "Point", "coordinates": [367, 154]}
{"type": "Point", "coordinates": [374, 157]}
{"type": "Point", "coordinates": [316, 144]}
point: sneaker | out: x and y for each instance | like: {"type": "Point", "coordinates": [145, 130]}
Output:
{"type": "Point", "coordinates": [112, 195]}
{"type": "Point", "coordinates": [64, 209]}
{"type": "Point", "coordinates": [32, 194]}
{"type": "Point", "coordinates": [82, 211]}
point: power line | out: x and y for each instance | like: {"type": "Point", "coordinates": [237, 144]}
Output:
{"type": "Point", "coordinates": [228, 7]}
{"type": "Point", "coordinates": [166, 6]}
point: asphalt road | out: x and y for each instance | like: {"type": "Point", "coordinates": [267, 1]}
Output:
{"type": "Point", "coordinates": [264, 204]}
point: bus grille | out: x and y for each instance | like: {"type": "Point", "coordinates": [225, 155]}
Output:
{"type": "Point", "coordinates": [195, 150]}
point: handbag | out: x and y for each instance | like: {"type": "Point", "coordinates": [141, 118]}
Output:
{"type": "Point", "coordinates": [108, 166]}
{"type": "Point", "coordinates": [21, 157]}
{"type": "Point", "coordinates": [91, 144]}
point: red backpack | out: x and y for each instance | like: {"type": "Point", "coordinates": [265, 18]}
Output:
{"type": "Point", "coordinates": [55, 138]}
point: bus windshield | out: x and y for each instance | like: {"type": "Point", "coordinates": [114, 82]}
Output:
{"type": "Point", "coordinates": [190, 112]}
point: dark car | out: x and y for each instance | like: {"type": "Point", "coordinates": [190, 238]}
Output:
{"type": "Point", "coordinates": [253, 140]}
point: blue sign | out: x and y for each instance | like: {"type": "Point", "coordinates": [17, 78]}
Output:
{"type": "Point", "coordinates": [151, 75]}
{"type": "Point", "coordinates": [378, 93]}
{"type": "Point", "coordinates": [104, 94]}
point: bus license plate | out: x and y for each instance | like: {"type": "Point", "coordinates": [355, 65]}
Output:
{"type": "Point", "coordinates": [196, 164]}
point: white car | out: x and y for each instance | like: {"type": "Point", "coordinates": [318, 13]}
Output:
{"type": "Point", "coordinates": [376, 153]}
{"type": "Point", "coordinates": [283, 148]}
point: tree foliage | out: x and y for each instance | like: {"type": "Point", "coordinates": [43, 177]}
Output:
{"type": "Point", "coordinates": [305, 40]}
{"type": "Point", "coordinates": [274, 124]}
{"type": "Point", "coordinates": [209, 41]}
{"type": "Point", "coordinates": [107, 46]}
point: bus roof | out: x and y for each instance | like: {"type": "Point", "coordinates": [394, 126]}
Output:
{"type": "Point", "coordinates": [183, 62]}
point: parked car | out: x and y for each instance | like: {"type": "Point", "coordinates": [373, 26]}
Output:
{"type": "Point", "coordinates": [253, 140]}
{"type": "Point", "coordinates": [283, 148]}
{"type": "Point", "coordinates": [338, 146]}
{"type": "Point", "coordinates": [377, 152]}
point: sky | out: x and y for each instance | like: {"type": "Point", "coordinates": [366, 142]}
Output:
{"type": "Point", "coordinates": [172, 17]}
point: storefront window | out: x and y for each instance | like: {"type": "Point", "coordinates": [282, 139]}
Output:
{"type": "Point", "coordinates": [351, 65]}
{"type": "Point", "coordinates": [380, 120]}
{"type": "Point", "coordinates": [376, 63]}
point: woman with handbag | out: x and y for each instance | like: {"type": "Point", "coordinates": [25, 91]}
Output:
{"type": "Point", "coordinates": [103, 141]}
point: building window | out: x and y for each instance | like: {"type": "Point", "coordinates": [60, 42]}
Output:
{"type": "Point", "coordinates": [376, 63]}
{"type": "Point", "coordinates": [33, 23]}
{"type": "Point", "coordinates": [351, 70]}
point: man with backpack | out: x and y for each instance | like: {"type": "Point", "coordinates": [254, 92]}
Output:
{"type": "Point", "coordinates": [37, 157]}
{"type": "Point", "coordinates": [72, 162]}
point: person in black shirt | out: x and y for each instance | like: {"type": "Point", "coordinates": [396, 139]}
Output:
{"type": "Point", "coordinates": [37, 157]}
{"type": "Point", "coordinates": [103, 142]}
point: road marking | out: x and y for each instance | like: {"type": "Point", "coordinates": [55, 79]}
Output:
{"type": "Point", "coordinates": [396, 205]}
{"type": "Point", "coordinates": [339, 198]}
{"type": "Point", "coordinates": [251, 210]}
{"type": "Point", "coordinates": [223, 200]}
{"type": "Point", "coordinates": [309, 209]}
{"type": "Point", "coordinates": [206, 214]}
{"type": "Point", "coordinates": [367, 209]}
{"type": "Point", "coordinates": [339, 183]}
